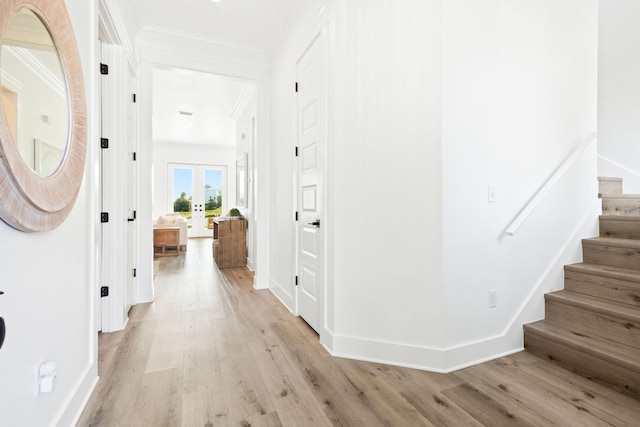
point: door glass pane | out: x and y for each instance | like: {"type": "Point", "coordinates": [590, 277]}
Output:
{"type": "Point", "coordinates": [213, 192]}
{"type": "Point", "coordinates": [183, 192]}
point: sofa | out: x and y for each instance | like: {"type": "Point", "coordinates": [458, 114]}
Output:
{"type": "Point", "coordinates": [174, 220]}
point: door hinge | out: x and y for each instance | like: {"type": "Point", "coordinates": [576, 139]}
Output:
{"type": "Point", "coordinates": [135, 156]}
{"type": "Point", "coordinates": [104, 217]}
{"type": "Point", "coordinates": [135, 272]}
{"type": "Point", "coordinates": [104, 291]}
{"type": "Point", "coordinates": [297, 151]}
{"type": "Point", "coordinates": [296, 215]}
{"type": "Point", "coordinates": [134, 98]}
{"type": "Point", "coordinates": [296, 280]}
{"type": "Point", "coordinates": [296, 86]}
{"type": "Point", "coordinates": [104, 69]}
{"type": "Point", "coordinates": [104, 143]}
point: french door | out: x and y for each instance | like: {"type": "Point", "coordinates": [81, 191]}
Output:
{"type": "Point", "coordinates": [197, 192]}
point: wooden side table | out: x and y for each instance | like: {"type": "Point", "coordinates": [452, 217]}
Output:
{"type": "Point", "coordinates": [166, 241]}
{"type": "Point", "coordinates": [230, 243]}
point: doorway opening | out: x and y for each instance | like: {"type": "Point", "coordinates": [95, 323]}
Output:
{"type": "Point", "coordinates": [198, 194]}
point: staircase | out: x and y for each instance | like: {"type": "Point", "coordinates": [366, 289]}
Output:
{"type": "Point", "coordinates": [592, 327]}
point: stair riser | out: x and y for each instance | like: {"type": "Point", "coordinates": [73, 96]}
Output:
{"type": "Point", "coordinates": [620, 229]}
{"type": "Point", "coordinates": [611, 256]}
{"type": "Point", "coordinates": [620, 206]}
{"type": "Point", "coordinates": [589, 323]}
{"type": "Point", "coordinates": [619, 378]}
{"type": "Point", "coordinates": [610, 187]}
{"type": "Point", "coordinates": [603, 287]}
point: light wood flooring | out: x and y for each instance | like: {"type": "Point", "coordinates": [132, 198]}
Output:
{"type": "Point", "coordinates": [212, 351]}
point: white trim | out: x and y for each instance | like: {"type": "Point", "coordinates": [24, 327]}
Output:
{"type": "Point", "coordinates": [112, 30]}
{"type": "Point", "coordinates": [158, 47]}
{"type": "Point", "coordinates": [38, 69]}
{"type": "Point", "coordinates": [75, 403]}
{"type": "Point", "coordinates": [549, 184]}
{"type": "Point", "coordinates": [281, 293]}
{"type": "Point", "coordinates": [245, 96]}
{"type": "Point", "coordinates": [618, 165]}
{"type": "Point", "coordinates": [10, 82]}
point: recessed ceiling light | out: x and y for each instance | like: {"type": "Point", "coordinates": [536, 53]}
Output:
{"type": "Point", "coordinates": [216, 1]}
{"type": "Point", "coordinates": [185, 113]}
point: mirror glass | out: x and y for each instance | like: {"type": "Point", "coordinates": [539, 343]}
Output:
{"type": "Point", "coordinates": [34, 92]}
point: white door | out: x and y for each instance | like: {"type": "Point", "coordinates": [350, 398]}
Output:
{"type": "Point", "coordinates": [131, 198]}
{"type": "Point", "coordinates": [310, 72]}
{"type": "Point", "coordinates": [197, 192]}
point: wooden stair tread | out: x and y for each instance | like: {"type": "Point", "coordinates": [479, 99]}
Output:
{"type": "Point", "coordinates": [619, 354]}
{"type": "Point", "coordinates": [621, 196]}
{"type": "Point", "coordinates": [613, 241]}
{"type": "Point", "coordinates": [605, 271]}
{"type": "Point", "coordinates": [620, 218]}
{"type": "Point", "coordinates": [595, 304]}
{"type": "Point", "coordinates": [609, 178]}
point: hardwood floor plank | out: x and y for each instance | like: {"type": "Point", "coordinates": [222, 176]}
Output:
{"type": "Point", "coordinates": [159, 402]}
{"type": "Point", "coordinates": [438, 409]}
{"type": "Point", "coordinates": [204, 408]}
{"type": "Point", "coordinates": [213, 351]}
{"type": "Point", "coordinates": [483, 408]}
{"type": "Point", "coordinates": [201, 363]}
{"type": "Point", "coordinates": [289, 392]}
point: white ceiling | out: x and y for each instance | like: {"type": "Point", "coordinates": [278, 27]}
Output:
{"type": "Point", "coordinates": [253, 24]}
{"type": "Point", "coordinates": [211, 99]}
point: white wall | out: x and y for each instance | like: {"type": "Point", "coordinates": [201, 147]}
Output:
{"type": "Point", "coordinates": [167, 152]}
{"type": "Point", "coordinates": [281, 149]}
{"type": "Point", "coordinates": [37, 96]}
{"type": "Point", "coordinates": [619, 92]}
{"type": "Point", "coordinates": [48, 279]}
{"type": "Point", "coordinates": [245, 135]}
{"type": "Point", "coordinates": [430, 102]}
{"type": "Point", "coordinates": [385, 191]}
{"type": "Point", "coordinates": [519, 91]}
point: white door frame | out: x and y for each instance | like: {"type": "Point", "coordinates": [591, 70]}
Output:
{"type": "Point", "coordinates": [163, 49]}
{"type": "Point", "coordinates": [198, 171]}
{"type": "Point", "coordinates": [121, 130]}
{"type": "Point", "coordinates": [321, 39]}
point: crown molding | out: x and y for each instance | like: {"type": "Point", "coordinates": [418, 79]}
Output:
{"type": "Point", "coordinates": [37, 68]}
{"type": "Point", "coordinates": [247, 93]}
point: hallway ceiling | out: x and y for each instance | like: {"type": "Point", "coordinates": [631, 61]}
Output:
{"type": "Point", "coordinates": [210, 99]}
{"type": "Point", "coordinates": [255, 24]}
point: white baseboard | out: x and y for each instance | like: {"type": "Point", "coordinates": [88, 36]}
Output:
{"type": "Point", "coordinates": [285, 297]}
{"type": "Point", "coordinates": [75, 404]}
{"type": "Point", "coordinates": [260, 282]}
{"type": "Point", "coordinates": [459, 356]}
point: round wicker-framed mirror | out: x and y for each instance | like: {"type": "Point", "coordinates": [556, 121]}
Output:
{"type": "Point", "coordinates": [39, 189]}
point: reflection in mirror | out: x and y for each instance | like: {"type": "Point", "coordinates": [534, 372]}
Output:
{"type": "Point", "coordinates": [34, 93]}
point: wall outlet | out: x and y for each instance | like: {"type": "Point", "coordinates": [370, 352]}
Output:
{"type": "Point", "coordinates": [492, 196]}
{"type": "Point", "coordinates": [493, 298]}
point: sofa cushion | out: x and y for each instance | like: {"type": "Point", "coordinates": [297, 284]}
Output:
{"type": "Point", "coordinates": [167, 219]}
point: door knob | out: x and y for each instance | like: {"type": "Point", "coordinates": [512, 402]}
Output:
{"type": "Point", "coordinates": [315, 223]}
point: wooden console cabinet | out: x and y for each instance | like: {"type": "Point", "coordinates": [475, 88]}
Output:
{"type": "Point", "coordinates": [230, 242]}
{"type": "Point", "coordinates": [166, 241]}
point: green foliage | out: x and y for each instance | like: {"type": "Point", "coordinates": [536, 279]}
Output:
{"type": "Point", "coordinates": [182, 204]}
{"type": "Point", "coordinates": [235, 212]}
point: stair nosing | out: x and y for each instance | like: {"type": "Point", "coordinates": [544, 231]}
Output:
{"type": "Point", "coordinates": [612, 241]}
{"type": "Point", "coordinates": [620, 196]}
{"type": "Point", "coordinates": [610, 178]}
{"type": "Point", "coordinates": [599, 305]}
{"type": "Point", "coordinates": [578, 342]}
{"type": "Point", "coordinates": [605, 271]}
{"type": "Point", "coordinates": [620, 217]}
